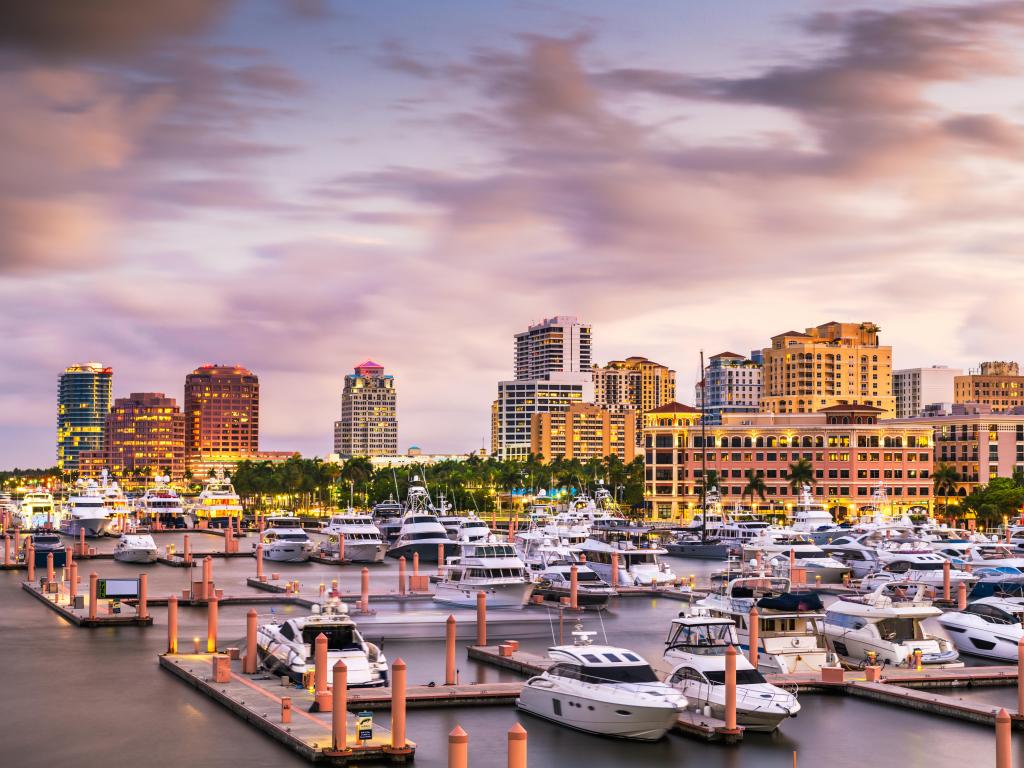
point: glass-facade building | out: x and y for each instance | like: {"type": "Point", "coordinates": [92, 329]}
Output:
{"type": "Point", "coordinates": [83, 401]}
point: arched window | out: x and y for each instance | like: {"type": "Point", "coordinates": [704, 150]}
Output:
{"type": "Point", "coordinates": [759, 442]}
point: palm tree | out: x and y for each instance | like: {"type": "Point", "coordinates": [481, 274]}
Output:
{"type": "Point", "coordinates": [755, 484]}
{"type": "Point", "coordinates": [711, 480]}
{"type": "Point", "coordinates": [801, 473]}
{"type": "Point", "coordinates": [945, 477]}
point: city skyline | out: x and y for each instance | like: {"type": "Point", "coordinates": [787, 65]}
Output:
{"type": "Point", "coordinates": [250, 176]}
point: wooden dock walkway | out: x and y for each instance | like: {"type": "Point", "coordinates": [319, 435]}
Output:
{"type": "Point", "coordinates": [60, 603]}
{"type": "Point", "coordinates": [257, 700]}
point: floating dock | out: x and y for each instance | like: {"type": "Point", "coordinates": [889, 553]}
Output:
{"type": "Point", "coordinates": [61, 603]}
{"type": "Point", "coordinates": [257, 700]}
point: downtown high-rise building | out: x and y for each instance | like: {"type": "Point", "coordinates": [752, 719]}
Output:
{"type": "Point", "coordinates": [83, 400]}
{"type": "Point", "coordinates": [732, 384]}
{"type": "Point", "coordinates": [222, 414]}
{"type": "Point", "coordinates": [369, 413]}
{"type": "Point", "coordinates": [552, 367]}
{"type": "Point", "coordinates": [144, 435]}
{"type": "Point", "coordinates": [634, 385]}
{"type": "Point", "coordinates": [917, 388]}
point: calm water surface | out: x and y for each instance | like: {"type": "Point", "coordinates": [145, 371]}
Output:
{"type": "Point", "coordinates": [96, 698]}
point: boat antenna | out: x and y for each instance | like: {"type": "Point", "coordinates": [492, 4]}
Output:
{"type": "Point", "coordinates": [394, 477]}
{"type": "Point", "coordinates": [703, 456]}
{"type": "Point", "coordinates": [603, 630]}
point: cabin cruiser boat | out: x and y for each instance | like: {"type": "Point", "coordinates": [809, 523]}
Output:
{"type": "Point", "coordinates": [696, 648]}
{"type": "Point", "coordinates": [603, 690]}
{"type": "Point", "coordinates": [688, 544]}
{"type": "Point", "coordinates": [490, 567]}
{"type": "Point", "coordinates": [789, 623]}
{"type": "Point", "coordinates": [887, 622]}
{"type": "Point", "coordinates": [555, 582]}
{"type": "Point", "coordinates": [286, 541]}
{"type": "Point", "coordinates": [44, 544]}
{"type": "Point", "coordinates": [161, 503]}
{"type": "Point", "coordinates": [388, 517]}
{"type": "Point", "coordinates": [738, 535]}
{"type": "Point", "coordinates": [217, 503]}
{"type": "Point", "coordinates": [37, 509]}
{"type": "Point", "coordinates": [776, 546]}
{"type": "Point", "coordinates": [539, 550]}
{"type": "Point", "coordinates": [861, 549]}
{"type": "Point", "coordinates": [808, 514]}
{"type": "Point", "coordinates": [286, 647]}
{"type": "Point", "coordinates": [1001, 581]}
{"type": "Point", "coordinates": [472, 528]}
{"type": "Point", "coordinates": [363, 540]}
{"type": "Point", "coordinates": [135, 548]}
{"type": "Point", "coordinates": [989, 627]}
{"type": "Point", "coordinates": [421, 531]}
{"type": "Point", "coordinates": [925, 568]}
{"type": "Point", "coordinates": [86, 510]}
{"type": "Point", "coordinates": [982, 555]}
{"type": "Point", "coordinates": [638, 566]}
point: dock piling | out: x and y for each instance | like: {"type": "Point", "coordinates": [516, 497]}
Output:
{"type": "Point", "coordinates": [81, 542]}
{"type": "Point", "coordinates": [945, 581]}
{"type": "Point", "coordinates": [440, 559]}
{"type": "Point", "coordinates": [339, 710]}
{"type": "Point", "coordinates": [1020, 676]}
{"type": "Point", "coordinates": [458, 748]}
{"type": "Point", "coordinates": [186, 550]}
{"type": "Point", "coordinates": [730, 688]}
{"type": "Point", "coordinates": [1004, 747]}
{"type": "Point", "coordinates": [322, 696]}
{"type": "Point", "coordinates": [449, 651]}
{"type": "Point", "coordinates": [250, 662]}
{"type": "Point", "coordinates": [211, 625]}
{"type": "Point", "coordinates": [401, 575]}
{"type": "Point", "coordinates": [259, 561]}
{"type": "Point", "coordinates": [398, 673]}
{"type": "Point", "coordinates": [574, 588]}
{"type": "Point", "coordinates": [961, 596]}
{"type": "Point", "coordinates": [7, 549]}
{"type": "Point", "coordinates": [341, 548]}
{"type": "Point", "coordinates": [73, 581]}
{"type": "Point", "coordinates": [49, 567]}
{"type": "Point", "coordinates": [93, 585]}
{"type": "Point", "coordinates": [754, 625]}
{"type": "Point", "coordinates": [286, 709]}
{"type": "Point", "coordinates": [615, 570]}
{"type": "Point", "coordinates": [517, 746]}
{"type": "Point", "coordinates": [416, 565]}
{"type": "Point", "coordinates": [481, 618]}
{"type": "Point", "coordinates": [30, 560]}
{"type": "Point", "coordinates": [143, 609]}
{"type": "Point", "coordinates": [364, 590]}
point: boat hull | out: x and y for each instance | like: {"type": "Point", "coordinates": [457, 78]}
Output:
{"type": "Point", "coordinates": [94, 527]}
{"type": "Point", "coordinates": [286, 553]}
{"type": "Point", "coordinates": [698, 551]}
{"type": "Point", "coordinates": [584, 598]}
{"type": "Point", "coordinates": [598, 717]}
{"type": "Point", "coordinates": [427, 551]}
{"type": "Point", "coordinates": [498, 596]}
{"type": "Point", "coordinates": [135, 555]}
{"type": "Point", "coordinates": [359, 552]}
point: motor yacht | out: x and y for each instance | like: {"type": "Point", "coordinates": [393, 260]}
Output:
{"type": "Point", "coordinates": [162, 504]}
{"type": "Point", "coordinates": [696, 648]}
{"type": "Point", "coordinates": [638, 566]}
{"type": "Point", "coordinates": [924, 568]}
{"type": "Point", "coordinates": [472, 528]}
{"type": "Point", "coordinates": [217, 504]}
{"type": "Point", "coordinates": [789, 623]}
{"type": "Point", "coordinates": [539, 550]}
{"type": "Point", "coordinates": [776, 545]}
{"type": "Point", "coordinates": [135, 548]}
{"type": "Point", "coordinates": [690, 545]}
{"type": "Point", "coordinates": [979, 555]}
{"type": "Point", "coordinates": [44, 544]}
{"type": "Point", "coordinates": [861, 549]}
{"type": "Point", "coordinates": [387, 515]}
{"type": "Point", "coordinates": [1001, 581]}
{"type": "Point", "coordinates": [888, 623]}
{"type": "Point", "coordinates": [363, 540]}
{"type": "Point", "coordinates": [286, 541]}
{"type": "Point", "coordinates": [555, 583]}
{"type": "Point", "coordinates": [286, 647]}
{"type": "Point", "coordinates": [491, 567]}
{"type": "Point", "coordinates": [86, 510]}
{"type": "Point", "coordinates": [808, 514]}
{"type": "Point", "coordinates": [602, 690]}
{"type": "Point", "coordinates": [421, 531]}
{"type": "Point", "coordinates": [37, 509]}
{"type": "Point", "coordinates": [989, 627]}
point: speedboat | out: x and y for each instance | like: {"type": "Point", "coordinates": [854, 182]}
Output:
{"type": "Point", "coordinates": [638, 566]}
{"type": "Point", "coordinates": [979, 555]}
{"type": "Point", "coordinates": [887, 623]}
{"type": "Point", "coordinates": [286, 647]}
{"type": "Point", "coordinates": [363, 540]}
{"type": "Point", "coordinates": [1001, 581]}
{"type": "Point", "coordinates": [286, 541]}
{"type": "Point", "coordinates": [925, 568]}
{"type": "Point", "coordinates": [135, 548]}
{"type": "Point", "coordinates": [696, 647]}
{"type": "Point", "coordinates": [790, 636]}
{"type": "Point", "coordinates": [44, 544]}
{"type": "Point", "coordinates": [37, 509]}
{"type": "Point", "coordinates": [555, 583]}
{"type": "Point", "coordinates": [490, 567]}
{"type": "Point", "coordinates": [989, 627]}
{"type": "Point", "coordinates": [162, 504]}
{"type": "Point", "coordinates": [217, 503]}
{"type": "Point", "coordinates": [602, 690]}
{"type": "Point", "coordinates": [86, 510]}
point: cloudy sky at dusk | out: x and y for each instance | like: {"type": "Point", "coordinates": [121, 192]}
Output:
{"type": "Point", "coordinates": [297, 186]}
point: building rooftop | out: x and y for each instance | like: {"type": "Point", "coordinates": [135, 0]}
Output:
{"type": "Point", "coordinates": [851, 407]}
{"type": "Point", "coordinates": [731, 355]}
{"type": "Point", "coordinates": [674, 408]}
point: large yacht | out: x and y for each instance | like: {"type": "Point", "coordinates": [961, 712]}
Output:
{"type": "Point", "coordinates": [217, 503]}
{"type": "Point", "coordinates": [161, 503]}
{"type": "Point", "coordinates": [916, 567]}
{"type": "Point", "coordinates": [285, 540]}
{"type": "Point", "coordinates": [887, 622]}
{"type": "Point", "coordinates": [286, 647]}
{"type": "Point", "coordinates": [44, 544]}
{"type": "Point", "coordinates": [388, 517]}
{"type": "Point", "coordinates": [135, 548]}
{"type": "Point", "coordinates": [603, 690]}
{"type": "Point", "coordinates": [776, 546]}
{"type": "Point", "coordinates": [789, 623]}
{"type": "Point", "coordinates": [472, 528]}
{"type": "Point", "coordinates": [37, 509]}
{"type": "Point", "coordinates": [989, 627]}
{"type": "Point", "coordinates": [421, 531]}
{"type": "Point", "coordinates": [363, 540]}
{"type": "Point", "coordinates": [86, 510]}
{"type": "Point", "coordinates": [638, 566]}
{"type": "Point", "coordinates": [696, 648]}
{"type": "Point", "coordinates": [808, 514]}
{"type": "Point", "coordinates": [490, 567]}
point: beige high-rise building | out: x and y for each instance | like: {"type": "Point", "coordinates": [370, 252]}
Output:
{"type": "Point", "coordinates": [635, 384]}
{"type": "Point", "coordinates": [831, 364]}
{"type": "Point", "coordinates": [369, 417]}
{"type": "Point", "coordinates": [583, 431]}
{"type": "Point", "coordinates": [995, 383]}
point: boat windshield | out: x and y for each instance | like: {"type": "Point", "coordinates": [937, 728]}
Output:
{"type": "Point", "coordinates": [743, 677]}
{"type": "Point", "coordinates": [339, 638]}
{"type": "Point", "coordinates": [704, 635]}
{"type": "Point", "coordinates": [638, 673]}
{"type": "Point", "coordinates": [48, 540]}
{"type": "Point", "coordinates": [899, 630]}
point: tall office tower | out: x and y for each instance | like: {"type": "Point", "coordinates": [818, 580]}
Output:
{"type": "Point", "coordinates": [369, 420]}
{"type": "Point", "coordinates": [222, 414]}
{"type": "Point", "coordinates": [916, 388]}
{"type": "Point", "coordinates": [831, 364]}
{"type": "Point", "coordinates": [145, 432]}
{"type": "Point", "coordinates": [998, 384]}
{"type": "Point", "coordinates": [733, 385]}
{"type": "Point", "coordinates": [556, 345]}
{"type": "Point", "coordinates": [635, 384]}
{"type": "Point", "coordinates": [83, 399]}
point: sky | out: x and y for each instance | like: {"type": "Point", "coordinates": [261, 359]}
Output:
{"type": "Point", "coordinates": [296, 186]}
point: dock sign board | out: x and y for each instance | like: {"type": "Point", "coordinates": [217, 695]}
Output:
{"type": "Point", "coordinates": [364, 725]}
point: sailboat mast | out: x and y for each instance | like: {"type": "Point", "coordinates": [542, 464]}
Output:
{"type": "Point", "coordinates": [703, 455]}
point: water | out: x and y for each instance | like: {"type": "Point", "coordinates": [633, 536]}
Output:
{"type": "Point", "coordinates": [94, 698]}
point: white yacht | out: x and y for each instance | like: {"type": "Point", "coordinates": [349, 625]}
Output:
{"type": "Point", "coordinates": [363, 540]}
{"type": "Point", "coordinates": [989, 627]}
{"type": "Point", "coordinates": [472, 528]}
{"type": "Point", "coordinates": [286, 541]}
{"type": "Point", "coordinates": [789, 623]}
{"type": "Point", "coordinates": [388, 517]}
{"type": "Point", "coordinates": [217, 503]}
{"type": "Point", "coordinates": [861, 549]}
{"type": "Point", "coordinates": [696, 648]}
{"type": "Point", "coordinates": [603, 690]}
{"type": "Point", "coordinates": [161, 503]}
{"type": "Point", "coordinates": [808, 514]}
{"type": "Point", "coordinates": [490, 567]}
{"type": "Point", "coordinates": [421, 531]}
{"type": "Point", "coordinates": [776, 545]}
{"type": "Point", "coordinates": [37, 509]}
{"type": "Point", "coordinates": [286, 647]}
{"type": "Point", "coordinates": [539, 550]}
{"type": "Point", "coordinates": [638, 566]}
{"type": "Point", "coordinates": [555, 583]}
{"type": "Point", "coordinates": [982, 555]}
{"type": "Point", "coordinates": [925, 568]}
{"type": "Point", "coordinates": [887, 622]}
{"type": "Point", "coordinates": [86, 510]}
{"type": "Point", "coordinates": [135, 548]}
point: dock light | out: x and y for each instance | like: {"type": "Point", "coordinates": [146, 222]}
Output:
{"type": "Point", "coordinates": [195, 644]}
